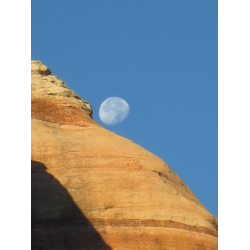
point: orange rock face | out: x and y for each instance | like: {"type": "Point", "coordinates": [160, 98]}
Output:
{"type": "Point", "coordinates": [93, 189]}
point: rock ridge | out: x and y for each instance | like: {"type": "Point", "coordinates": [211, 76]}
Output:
{"type": "Point", "coordinates": [93, 189]}
{"type": "Point", "coordinates": [43, 84]}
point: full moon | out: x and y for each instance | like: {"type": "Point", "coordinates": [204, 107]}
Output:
{"type": "Point", "coordinates": [113, 110]}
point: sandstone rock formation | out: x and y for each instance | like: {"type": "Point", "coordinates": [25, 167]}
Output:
{"type": "Point", "coordinates": [93, 189]}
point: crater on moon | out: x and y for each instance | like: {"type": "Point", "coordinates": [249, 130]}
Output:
{"type": "Point", "coordinates": [113, 110]}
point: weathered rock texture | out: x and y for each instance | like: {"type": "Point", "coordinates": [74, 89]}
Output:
{"type": "Point", "coordinates": [93, 189]}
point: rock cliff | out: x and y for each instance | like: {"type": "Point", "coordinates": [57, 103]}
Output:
{"type": "Point", "coordinates": [93, 189]}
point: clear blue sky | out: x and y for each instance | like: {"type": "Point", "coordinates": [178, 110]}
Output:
{"type": "Point", "coordinates": [159, 56]}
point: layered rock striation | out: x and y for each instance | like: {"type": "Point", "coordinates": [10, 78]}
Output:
{"type": "Point", "coordinates": [53, 101]}
{"type": "Point", "coordinates": [93, 189]}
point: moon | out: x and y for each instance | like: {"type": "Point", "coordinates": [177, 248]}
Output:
{"type": "Point", "coordinates": [113, 110]}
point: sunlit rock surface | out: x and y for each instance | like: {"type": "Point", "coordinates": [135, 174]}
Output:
{"type": "Point", "coordinates": [93, 189]}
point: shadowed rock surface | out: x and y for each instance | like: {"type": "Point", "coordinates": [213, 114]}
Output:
{"type": "Point", "coordinates": [56, 221]}
{"type": "Point", "coordinates": [92, 185]}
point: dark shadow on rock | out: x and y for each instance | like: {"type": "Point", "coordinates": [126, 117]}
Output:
{"type": "Point", "coordinates": [56, 221]}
